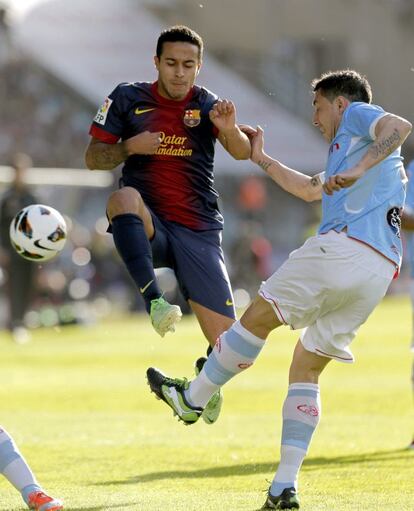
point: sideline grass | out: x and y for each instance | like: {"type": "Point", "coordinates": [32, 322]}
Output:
{"type": "Point", "coordinates": [78, 406]}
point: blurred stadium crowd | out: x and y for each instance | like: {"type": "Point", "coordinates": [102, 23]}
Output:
{"type": "Point", "coordinates": [44, 119]}
{"type": "Point", "coordinates": [40, 117]}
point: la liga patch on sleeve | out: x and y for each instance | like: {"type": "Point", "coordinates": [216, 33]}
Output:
{"type": "Point", "coordinates": [102, 113]}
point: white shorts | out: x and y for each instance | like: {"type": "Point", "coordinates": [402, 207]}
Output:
{"type": "Point", "coordinates": [330, 285]}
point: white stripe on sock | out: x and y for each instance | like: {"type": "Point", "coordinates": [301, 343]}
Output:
{"type": "Point", "coordinates": [304, 386]}
{"type": "Point", "coordinates": [248, 336]}
{"type": "Point", "coordinates": [292, 461]}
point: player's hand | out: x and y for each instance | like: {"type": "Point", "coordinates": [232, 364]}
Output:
{"type": "Point", "coordinates": [343, 180]}
{"type": "Point", "coordinates": [144, 143]}
{"type": "Point", "coordinates": [256, 137]}
{"type": "Point", "coordinates": [248, 130]}
{"type": "Point", "coordinates": [223, 115]}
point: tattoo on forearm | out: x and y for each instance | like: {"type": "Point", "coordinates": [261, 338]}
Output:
{"type": "Point", "coordinates": [385, 147]}
{"type": "Point", "coordinates": [106, 157]}
{"type": "Point", "coordinates": [316, 181]}
{"type": "Point", "coordinates": [113, 155]}
{"type": "Point", "coordinates": [264, 165]}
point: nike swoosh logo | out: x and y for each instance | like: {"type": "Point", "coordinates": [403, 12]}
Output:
{"type": "Point", "coordinates": [38, 245]}
{"type": "Point", "coordinates": [172, 394]}
{"type": "Point", "coordinates": [143, 289]}
{"type": "Point", "coordinates": [138, 111]}
{"type": "Point", "coordinates": [229, 303]}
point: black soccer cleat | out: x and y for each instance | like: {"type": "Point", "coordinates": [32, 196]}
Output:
{"type": "Point", "coordinates": [288, 499]}
{"type": "Point", "coordinates": [171, 391]}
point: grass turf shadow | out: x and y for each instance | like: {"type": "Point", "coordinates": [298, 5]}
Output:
{"type": "Point", "coordinates": [317, 463]}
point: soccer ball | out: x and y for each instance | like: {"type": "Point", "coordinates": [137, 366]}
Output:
{"type": "Point", "coordinates": [38, 232]}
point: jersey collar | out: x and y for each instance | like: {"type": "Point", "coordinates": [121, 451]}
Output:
{"type": "Point", "coordinates": [171, 102]}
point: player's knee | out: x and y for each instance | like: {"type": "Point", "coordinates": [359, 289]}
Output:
{"type": "Point", "coordinates": [306, 369]}
{"type": "Point", "coordinates": [259, 318]}
{"type": "Point", "coordinates": [304, 374]}
{"type": "Point", "coordinates": [125, 200]}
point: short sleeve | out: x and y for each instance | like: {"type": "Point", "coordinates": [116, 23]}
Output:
{"type": "Point", "coordinates": [107, 124]}
{"type": "Point", "coordinates": [362, 118]}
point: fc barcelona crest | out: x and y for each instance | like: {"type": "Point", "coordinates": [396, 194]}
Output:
{"type": "Point", "coordinates": [192, 118]}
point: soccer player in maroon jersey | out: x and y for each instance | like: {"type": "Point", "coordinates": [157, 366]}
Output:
{"type": "Point", "coordinates": [165, 213]}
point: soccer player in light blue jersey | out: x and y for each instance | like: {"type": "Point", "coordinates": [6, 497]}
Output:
{"type": "Point", "coordinates": [408, 225]}
{"type": "Point", "coordinates": [330, 285]}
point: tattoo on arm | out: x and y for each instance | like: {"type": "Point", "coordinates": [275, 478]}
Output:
{"type": "Point", "coordinates": [385, 147]}
{"type": "Point", "coordinates": [316, 181]}
{"type": "Point", "coordinates": [113, 154]}
{"type": "Point", "coordinates": [107, 156]}
{"type": "Point", "coordinates": [264, 165]}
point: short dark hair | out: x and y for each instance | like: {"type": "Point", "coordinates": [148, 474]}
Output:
{"type": "Point", "coordinates": [346, 82]}
{"type": "Point", "coordinates": [180, 33]}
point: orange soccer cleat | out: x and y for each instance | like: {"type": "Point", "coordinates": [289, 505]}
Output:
{"type": "Point", "coordinates": [39, 501]}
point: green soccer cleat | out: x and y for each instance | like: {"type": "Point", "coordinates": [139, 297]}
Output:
{"type": "Point", "coordinates": [212, 410]}
{"type": "Point", "coordinates": [288, 499]}
{"type": "Point", "coordinates": [171, 391]}
{"type": "Point", "coordinates": [164, 316]}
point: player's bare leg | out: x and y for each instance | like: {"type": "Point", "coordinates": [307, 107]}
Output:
{"type": "Point", "coordinates": [306, 367]}
{"type": "Point", "coordinates": [128, 200]}
{"type": "Point", "coordinates": [211, 323]}
{"type": "Point", "coordinates": [260, 318]}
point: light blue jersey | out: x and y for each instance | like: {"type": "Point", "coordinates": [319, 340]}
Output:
{"type": "Point", "coordinates": [370, 209]}
{"type": "Point", "coordinates": [409, 206]}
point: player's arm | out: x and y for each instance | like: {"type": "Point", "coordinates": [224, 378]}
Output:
{"type": "Point", "coordinates": [104, 151]}
{"type": "Point", "coordinates": [296, 183]}
{"type": "Point", "coordinates": [234, 141]}
{"type": "Point", "coordinates": [390, 133]}
{"type": "Point", "coordinates": [104, 156]}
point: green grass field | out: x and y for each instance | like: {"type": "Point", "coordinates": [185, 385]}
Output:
{"type": "Point", "coordinates": [76, 401]}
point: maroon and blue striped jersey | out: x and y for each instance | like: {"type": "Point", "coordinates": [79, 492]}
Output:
{"type": "Point", "coordinates": [176, 183]}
